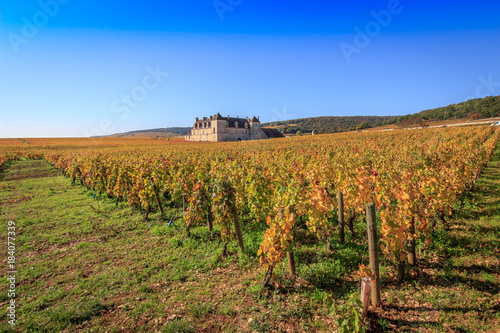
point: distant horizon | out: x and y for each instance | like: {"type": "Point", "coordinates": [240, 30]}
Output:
{"type": "Point", "coordinates": [81, 69]}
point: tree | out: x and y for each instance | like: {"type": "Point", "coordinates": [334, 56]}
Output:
{"type": "Point", "coordinates": [363, 125]}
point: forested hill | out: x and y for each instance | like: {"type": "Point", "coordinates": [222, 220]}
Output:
{"type": "Point", "coordinates": [487, 107]}
{"type": "Point", "coordinates": [331, 124]}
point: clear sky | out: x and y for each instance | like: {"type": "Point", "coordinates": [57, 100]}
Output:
{"type": "Point", "coordinates": [84, 67]}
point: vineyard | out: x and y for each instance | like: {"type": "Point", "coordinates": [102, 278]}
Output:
{"type": "Point", "coordinates": [289, 188]}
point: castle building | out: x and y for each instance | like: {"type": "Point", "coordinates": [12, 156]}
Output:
{"type": "Point", "coordinates": [217, 128]}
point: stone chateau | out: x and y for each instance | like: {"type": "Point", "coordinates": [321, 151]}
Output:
{"type": "Point", "coordinates": [217, 128]}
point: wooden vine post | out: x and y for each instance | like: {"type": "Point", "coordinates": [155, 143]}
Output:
{"type": "Point", "coordinates": [291, 262]}
{"type": "Point", "coordinates": [210, 218]}
{"type": "Point", "coordinates": [371, 224]}
{"type": "Point", "coordinates": [412, 256]}
{"type": "Point", "coordinates": [341, 218]}
{"type": "Point", "coordinates": [237, 229]}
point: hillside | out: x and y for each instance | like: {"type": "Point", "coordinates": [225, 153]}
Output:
{"type": "Point", "coordinates": [162, 132]}
{"type": "Point", "coordinates": [487, 107]}
{"type": "Point", "coordinates": [331, 124]}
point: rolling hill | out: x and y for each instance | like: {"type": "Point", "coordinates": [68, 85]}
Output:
{"type": "Point", "coordinates": [160, 132]}
{"type": "Point", "coordinates": [478, 108]}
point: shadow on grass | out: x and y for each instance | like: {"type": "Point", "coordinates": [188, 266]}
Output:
{"type": "Point", "coordinates": [472, 242]}
{"type": "Point", "coordinates": [402, 324]}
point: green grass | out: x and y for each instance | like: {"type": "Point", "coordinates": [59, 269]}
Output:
{"type": "Point", "coordinates": [87, 264]}
{"type": "Point", "coordinates": [178, 326]}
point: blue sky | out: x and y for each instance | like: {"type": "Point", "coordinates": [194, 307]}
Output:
{"type": "Point", "coordinates": [79, 68]}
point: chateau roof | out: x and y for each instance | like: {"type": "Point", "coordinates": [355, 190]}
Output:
{"type": "Point", "coordinates": [231, 120]}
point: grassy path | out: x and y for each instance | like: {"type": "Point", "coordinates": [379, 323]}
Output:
{"type": "Point", "coordinates": [85, 264]}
